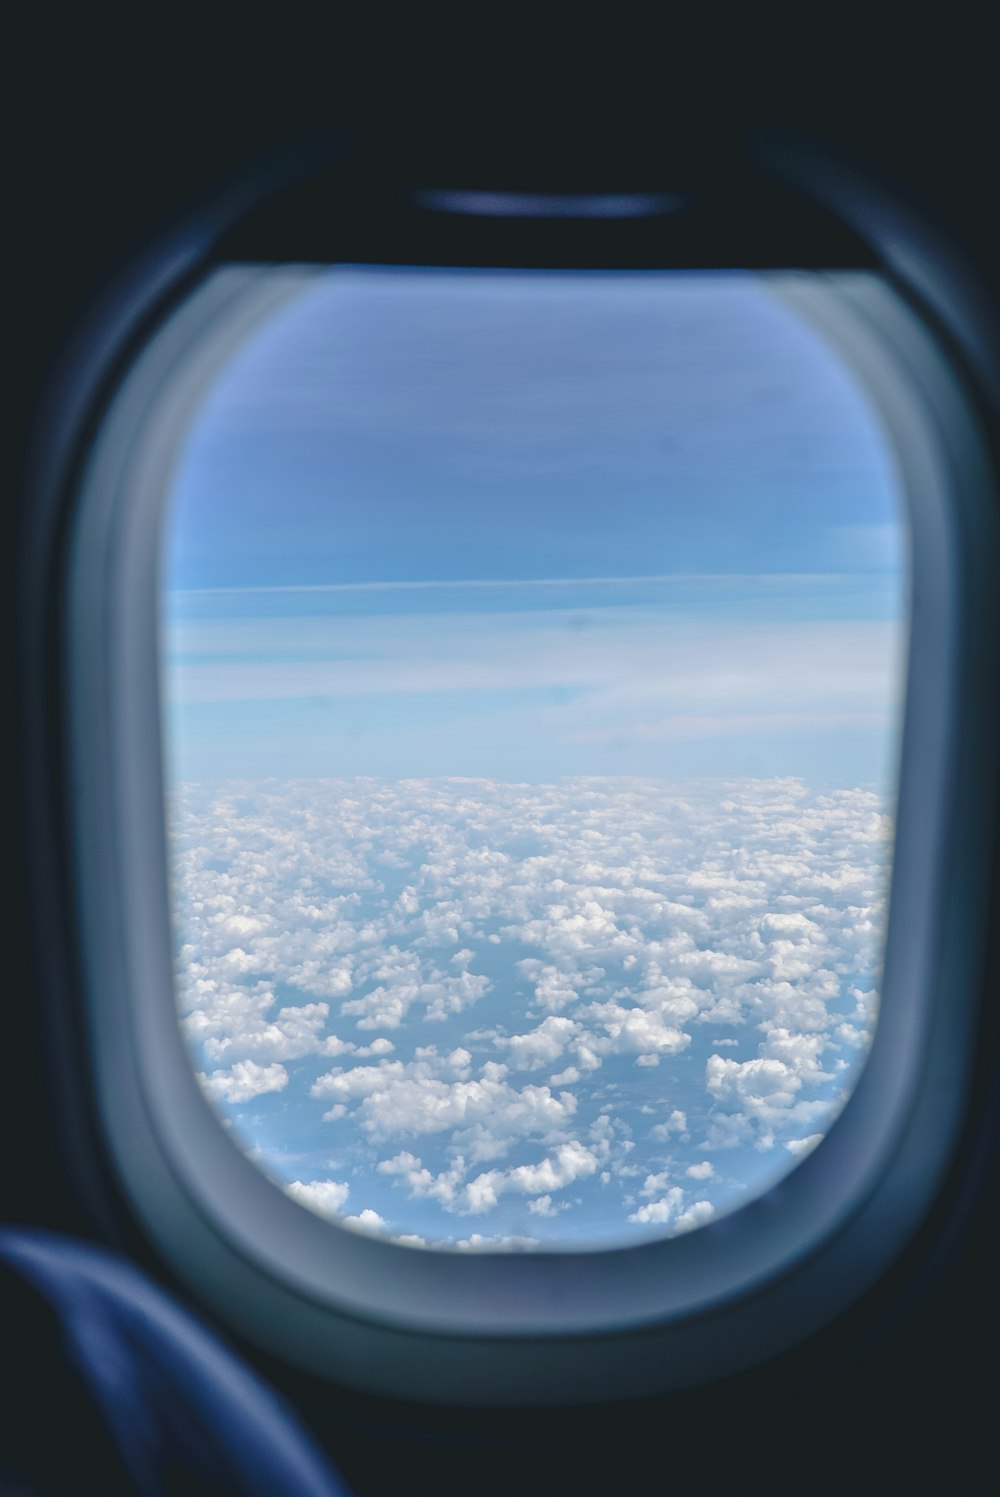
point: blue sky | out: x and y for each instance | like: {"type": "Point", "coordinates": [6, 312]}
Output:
{"type": "Point", "coordinates": [519, 525]}
{"type": "Point", "coordinates": [457, 416]}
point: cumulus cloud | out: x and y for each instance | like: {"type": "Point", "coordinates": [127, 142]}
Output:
{"type": "Point", "coordinates": [397, 1098]}
{"type": "Point", "coordinates": [802, 1146]}
{"type": "Point", "coordinates": [479, 1244]}
{"type": "Point", "coordinates": [635, 1031]}
{"type": "Point", "coordinates": [696, 1215]}
{"type": "Point", "coordinates": [660, 1210]}
{"type": "Point", "coordinates": [675, 1123]}
{"type": "Point", "coordinates": [703, 1171]}
{"type": "Point", "coordinates": [243, 1081]}
{"type": "Point", "coordinates": [461, 1191]}
{"type": "Point", "coordinates": [323, 1196]}
{"type": "Point", "coordinates": [570, 1162]}
{"type": "Point", "coordinates": [366, 1221]}
{"type": "Point", "coordinates": [539, 1047]}
{"type": "Point", "coordinates": [408, 982]}
{"type": "Point", "coordinates": [502, 999]}
{"type": "Point", "coordinates": [761, 1095]}
{"type": "Point", "coordinates": [545, 1206]}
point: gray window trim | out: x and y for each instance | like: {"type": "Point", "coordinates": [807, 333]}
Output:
{"type": "Point", "coordinates": [545, 1327]}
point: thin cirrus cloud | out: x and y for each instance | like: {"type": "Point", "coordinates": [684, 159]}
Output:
{"type": "Point", "coordinates": [519, 687]}
{"type": "Point", "coordinates": [885, 537]}
{"type": "Point", "coordinates": [690, 658]}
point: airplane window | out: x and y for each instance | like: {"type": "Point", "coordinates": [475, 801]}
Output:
{"type": "Point", "coordinates": [532, 649]}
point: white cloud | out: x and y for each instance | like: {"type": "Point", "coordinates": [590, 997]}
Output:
{"type": "Point", "coordinates": [367, 1221]}
{"type": "Point", "coordinates": [703, 1171]}
{"type": "Point", "coordinates": [569, 1162]}
{"type": "Point", "coordinates": [326, 1197]}
{"type": "Point", "coordinates": [381, 1046]}
{"type": "Point", "coordinates": [439, 993]}
{"type": "Point", "coordinates": [581, 955]}
{"type": "Point", "coordinates": [696, 1215]}
{"type": "Point", "coordinates": [636, 1031]}
{"type": "Point", "coordinates": [659, 1211]}
{"type": "Point", "coordinates": [675, 1123]}
{"type": "Point", "coordinates": [764, 1093]}
{"type": "Point", "coordinates": [479, 1244]}
{"type": "Point", "coordinates": [233, 1021]}
{"type": "Point", "coordinates": [802, 1146]}
{"type": "Point", "coordinates": [419, 1097]}
{"type": "Point", "coordinates": [244, 1081]}
{"type": "Point", "coordinates": [457, 1192]}
{"type": "Point", "coordinates": [545, 1206]}
{"type": "Point", "coordinates": [539, 1047]}
{"type": "Point", "coordinates": [401, 1164]}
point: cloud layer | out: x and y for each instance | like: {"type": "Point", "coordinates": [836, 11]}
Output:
{"type": "Point", "coordinates": [577, 1013]}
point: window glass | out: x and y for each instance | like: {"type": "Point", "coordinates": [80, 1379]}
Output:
{"type": "Point", "coordinates": [532, 660]}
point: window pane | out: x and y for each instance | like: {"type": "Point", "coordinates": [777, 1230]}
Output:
{"type": "Point", "coordinates": [532, 652]}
